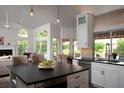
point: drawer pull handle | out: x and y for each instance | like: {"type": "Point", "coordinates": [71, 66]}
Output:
{"type": "Point", "coordinates": [77, 87]}
{"type": "Point", "coordinates": [77, 77]}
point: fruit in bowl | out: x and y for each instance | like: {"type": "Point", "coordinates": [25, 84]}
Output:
{"type": "Point", "coordinates": [46, 64]}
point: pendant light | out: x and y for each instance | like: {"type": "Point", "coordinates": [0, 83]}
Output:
{"type": "Point", "coordinates": [57, 20]}
{"type": "Point", "coordinates": [31, 11]}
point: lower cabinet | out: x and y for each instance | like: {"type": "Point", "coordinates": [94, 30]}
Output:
{"type": "Point", "coordinates": [78, 80]}
{"type": "Point", "coordinates": [110, 76]}
{"type": "Point", "coordinates": [121, 76]}
{"type": "Point", "coordinates": [104, 75]}
{"type": "Point", "coordinates": [96, 74]}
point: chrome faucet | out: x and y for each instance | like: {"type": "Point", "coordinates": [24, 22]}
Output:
{"type": "Point", "coordinates": [108, 54]}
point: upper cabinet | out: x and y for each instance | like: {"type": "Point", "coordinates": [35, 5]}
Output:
{"type": "Point", "coordinates": [84, 29]}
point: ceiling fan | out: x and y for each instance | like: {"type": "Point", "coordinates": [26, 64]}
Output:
{"type": "Point", "coordinates": [7, 26]}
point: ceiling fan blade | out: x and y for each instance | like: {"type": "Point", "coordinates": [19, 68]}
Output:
{"type": "Point", "coordinates": [7, 26]}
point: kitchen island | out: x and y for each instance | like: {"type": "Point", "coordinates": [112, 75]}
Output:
{"type": "Point", "coordinates": [30, 76]}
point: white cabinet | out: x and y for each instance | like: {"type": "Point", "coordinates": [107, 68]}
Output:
{"type": "Point", "coordinates": [78, 80]}
{"type": "Point", "coordinates": [110, 75]}
{"type": "Point", "coordinates": [84, 30]}
{"type": "Point", "coordinates": [104, 75]}
{"type": "Point", "coordinates": [96, 74]}
{"type": "Point", "coordinates": [121, 76]}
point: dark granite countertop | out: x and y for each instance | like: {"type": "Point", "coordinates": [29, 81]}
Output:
{"type": "Point", "coordinates": [30, 74]}
{"type": "Point", "coordinates": [83, 59]}
{"type": "Point", "coordinates": [111, 63]}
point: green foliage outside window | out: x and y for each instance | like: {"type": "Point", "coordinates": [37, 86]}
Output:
{"type": "Point", "coordinates": [54, 46]}
{"type": "Point", "coordinates": [41, 34]}
{"type": "Point", "coordinates": [41, 47]}
{"type": "Point", "coordinates": [22, 42]}
{"type": "Point", "coordinates": [37, 46]}
{"type": "Point", "coordinates": [120, 46]}
{"type": "Point", "coordinates": [22, 45]}
{"type": "Point", "coordinates": [65, 47]}
{"type": "Point", "coordinates": [99, 47]}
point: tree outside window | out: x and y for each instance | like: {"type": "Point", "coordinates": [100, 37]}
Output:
{"type": "Point", "coordinates": [54, 46]}
{"type": "Point", "coordinates": [66, 47]}
{"type": "Point", "coordinates": [41, 47]}
{"type": "Point", "coordinates": [99, 46]}
{"type": "Point", "coordinates": [22, 42]}
{"type": "Point", "coordinates": [41, 42]}
{"type": "Point", "coordinates": [42, 34]}
{"type": "Point", "coordinates": [120, 46]}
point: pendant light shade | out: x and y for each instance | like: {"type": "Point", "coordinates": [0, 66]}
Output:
{"type": "Point", "coordinates": [31, 11]}
{"type": "Point", "coordinates": [57, 20]}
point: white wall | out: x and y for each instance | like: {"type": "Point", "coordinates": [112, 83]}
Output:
{"type": "Point", "coordinates": [55, 30]}
{"type": "Point", "coordinates": [11, 35]}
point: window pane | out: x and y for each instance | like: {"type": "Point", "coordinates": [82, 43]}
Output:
{"type": "Point", "coordinates": [102, 45]}
{"type": "Point", "coordinates": [37, 46]}
{"type": "Point", "coordinates": [76, 50]}
{"type": "Point", "coordinates": [42, 34]}
{"type": "Point", "coordinates": [22, 46]}
{"type": "Point", "coordinates": [41, 47]}
{"type": "Point", "coordinates": [109, 45]}
{"type": "Point", "coordinates": [54, 46]}
{"type": "Point", "coordinates": [118, 45]}
{"type": "Point", "coordinates": [23, 33]}
{"type": "Point", "coordinates": [65, 47]}
{"type": "Point", "coordinates": [22, 42]}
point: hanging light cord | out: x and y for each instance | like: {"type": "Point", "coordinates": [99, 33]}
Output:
{"type": "Point", "coordinates": [58, 12]}
{"type": "Point", "coordinates": [58, 20]}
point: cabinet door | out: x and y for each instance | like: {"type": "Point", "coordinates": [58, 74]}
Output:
{"type": "Point", "coordinates": [121, 80]}
{"type": "Point", "coordinates": [110, 76]}
{"type": "Point", "coordinates": [82, 31]}
{"type": "Point", "coordinates": [82, 36]}
{"type": "Point", "coordinates": [96, 74]}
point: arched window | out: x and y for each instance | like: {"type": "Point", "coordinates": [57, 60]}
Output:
{"type": "Point", "coordinates": [22, 41]}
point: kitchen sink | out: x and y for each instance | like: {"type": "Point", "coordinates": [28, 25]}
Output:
{"type": "Point", "coordinates": [121, 63]}
{"type": "Point", "coordinates": [109, 61]}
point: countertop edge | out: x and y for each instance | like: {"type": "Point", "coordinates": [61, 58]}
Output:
{"type": "Point", "coordinates": [55, 77]}
{"type": "Point", "coordinates": [108, 63]}
{"type": "Point", "coordinates": [30, 83]}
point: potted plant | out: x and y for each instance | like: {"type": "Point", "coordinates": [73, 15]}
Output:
{"type": "Point", "coordinates": [114, 55]}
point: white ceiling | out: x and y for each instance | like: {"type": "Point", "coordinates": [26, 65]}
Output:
{"type": "Point", "coordinates": [47, 13]}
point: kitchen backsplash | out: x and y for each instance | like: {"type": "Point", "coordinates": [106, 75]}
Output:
{"type": "Point", "coordinates": [86, 52]}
